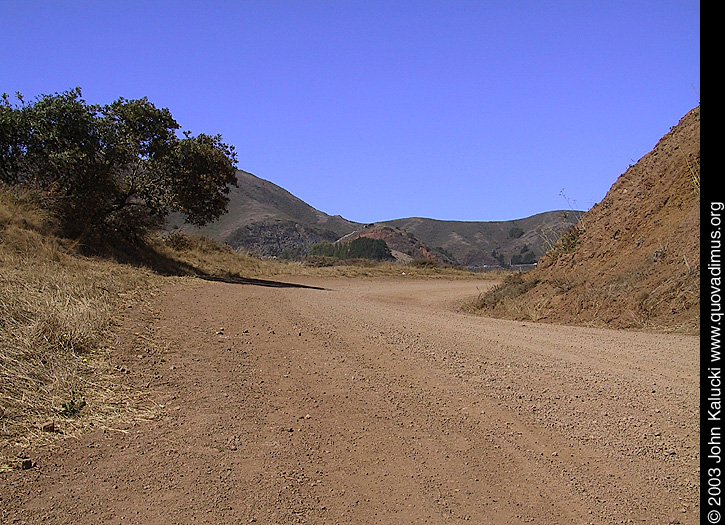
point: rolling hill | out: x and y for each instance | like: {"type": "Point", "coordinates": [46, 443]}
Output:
{"type": "Point", "coordinates": [267, 220]}
{"type": "Point", "coordinates": [492, 242]}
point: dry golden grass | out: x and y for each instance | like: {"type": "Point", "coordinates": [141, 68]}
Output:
{"type": "Point", "coordinates": [199, 254]}
{"type": "Point", "coordinates": [59, 310]}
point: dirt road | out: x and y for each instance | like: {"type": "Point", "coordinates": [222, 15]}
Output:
{"type": "Point", "coordinates": [374, 401]}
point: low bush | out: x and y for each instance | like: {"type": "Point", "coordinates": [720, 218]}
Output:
{"type": "Point", "coordinates": [360, 248]}
{"type": "Point", "coordinates": [513, 286]}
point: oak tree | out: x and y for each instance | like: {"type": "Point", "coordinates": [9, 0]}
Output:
{"type": "Point", "coordinates": [118, 168]}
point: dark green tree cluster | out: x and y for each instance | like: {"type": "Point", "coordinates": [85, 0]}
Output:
{"type": "Point", "coordinates": [515, 232]}
{"type": "Point", "coordinates": [360, 248]}
{"type": "Point", "coordinates": [119, 168]}
{"type": "Point", "coordinates": [525, 256]}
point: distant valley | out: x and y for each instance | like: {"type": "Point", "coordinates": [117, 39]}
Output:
{"type": "Point", "coordinates": [267, 220]}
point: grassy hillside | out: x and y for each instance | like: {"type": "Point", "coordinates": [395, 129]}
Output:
{"type": "Point", "coordinates": [633, 260]}
{"type": "Point", "coordinates": [267, 220]}
{"type": "Point", "coordinates": [256, 204]}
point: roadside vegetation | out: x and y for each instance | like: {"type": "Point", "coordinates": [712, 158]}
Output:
{"type": "Point", "coordinates": [60, 311]}
{"type": "Point", "coordinates": [83, 192]}
{"type": "Point", "coordinates": [82, 188]}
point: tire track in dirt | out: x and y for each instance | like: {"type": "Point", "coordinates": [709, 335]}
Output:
{"type": "Point", "coordinates": [376, 402]}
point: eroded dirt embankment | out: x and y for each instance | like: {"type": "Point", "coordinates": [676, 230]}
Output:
{"type": "Point", "coordinates": [375, 401]}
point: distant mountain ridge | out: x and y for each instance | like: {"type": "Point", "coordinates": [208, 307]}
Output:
{"type": "Point", "coordinates": [256, 200]}
{"type": "Point", "coordinates": [492, 242]}
{"type": "Point", "coordinates": [267, 220]}
{"type": "Point", "coordinates": [404, 245]}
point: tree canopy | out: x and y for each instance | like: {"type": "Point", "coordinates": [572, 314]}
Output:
{"type": "Point", "coordinates": [121, 167]}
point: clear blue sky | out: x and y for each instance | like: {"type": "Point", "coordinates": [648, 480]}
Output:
{"type": "Point", "coordinates": [376, 110]}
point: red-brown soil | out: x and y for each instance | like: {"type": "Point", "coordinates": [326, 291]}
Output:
{"type": "Point", "coordinates": [377, 401]}
{"type": "Point", "coordinates": [633, 260]}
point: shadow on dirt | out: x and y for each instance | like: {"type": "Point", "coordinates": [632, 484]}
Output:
{"type": "Point", "coordinates": [145, 256]}
{"type": "Point", "coordinates": [235, 279]}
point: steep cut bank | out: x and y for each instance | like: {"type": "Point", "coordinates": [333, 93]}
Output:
{"type": "Point", "coordinates": [633, 260]}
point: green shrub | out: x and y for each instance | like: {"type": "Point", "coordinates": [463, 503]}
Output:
{"type": "Point", "coordinates": [360, 248]}
{"type": "Point", "coordinates": [113, 170]}
{"type": "Point", "coordinates": [515, 232]}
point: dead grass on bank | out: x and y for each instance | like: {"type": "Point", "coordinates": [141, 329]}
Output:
{"type": "Point", "coordinates": [502, 295]}
{"type": "Point", "coordinates": [576, 302]}
{"type": "Point", "coordinates": [59, 312]}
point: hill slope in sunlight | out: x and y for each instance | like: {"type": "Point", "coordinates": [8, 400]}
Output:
{"type": "Point", "coordinates": [633, 260]}
{"type": "Point", "coordinates": [267, 220]}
